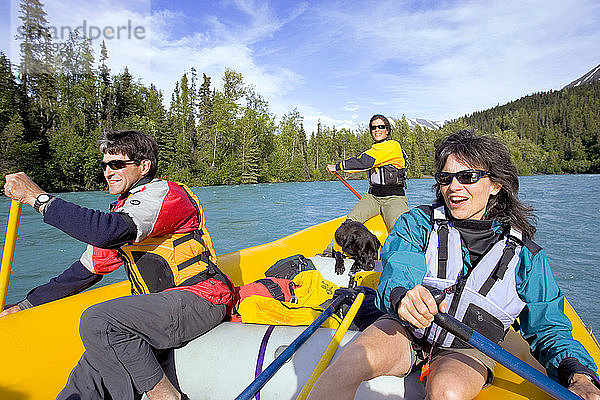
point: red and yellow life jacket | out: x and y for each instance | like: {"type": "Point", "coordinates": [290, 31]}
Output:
{"type": "Point", "coordinates": [179, 259]}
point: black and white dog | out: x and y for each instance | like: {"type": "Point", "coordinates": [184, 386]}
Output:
{"type": "Point", "coordinates": [359, 243]}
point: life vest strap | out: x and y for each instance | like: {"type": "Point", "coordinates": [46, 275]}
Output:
{"type": "Point", "coordinates": [273, 288]}
{"type": "Point", "coordinates": [202, 276]}
{"type": "Point", "coordinates": [439, 217]}
{"type": "Point", "coordinates": [204, 257]}
{"type": "Point", "coordinates": [442, 249]}
{"type": "Point", "coordinates": [502, 266]}
{"type": "Point", "coordinates": [194, 235]}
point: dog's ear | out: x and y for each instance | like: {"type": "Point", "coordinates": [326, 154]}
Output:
{"type": "Point", "coordinates": [341, 232]}
{"type": "Point", "coordinates": [350, 242]}
{"type": "Point", "coordinates": [377, 243]}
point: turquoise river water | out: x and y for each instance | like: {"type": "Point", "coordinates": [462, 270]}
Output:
{"type": "Point", "coordinates": [567, 206]}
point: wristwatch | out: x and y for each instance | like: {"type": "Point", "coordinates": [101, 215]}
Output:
{"type": "Point", "coordinates": [42, 199]}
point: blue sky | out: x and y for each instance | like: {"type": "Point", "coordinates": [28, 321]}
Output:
{"type": "Point", "coordinates": [342, 61]}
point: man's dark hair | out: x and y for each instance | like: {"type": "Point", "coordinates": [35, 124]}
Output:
{"type": "Point", "coordinates": [386, 122]}
{"type": "Point", "coordinates": [489, 154]}
{"type": "Point", "coordinates": [134, 144]}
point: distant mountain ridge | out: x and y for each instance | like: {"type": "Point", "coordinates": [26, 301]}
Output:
{"type": "Point", "coordinates": [592, 76]}
{"type": "Point", "coordinates": [425, 123]}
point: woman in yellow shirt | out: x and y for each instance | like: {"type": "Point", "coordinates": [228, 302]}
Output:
{"type": "Point", "coordinates": [386, 164]}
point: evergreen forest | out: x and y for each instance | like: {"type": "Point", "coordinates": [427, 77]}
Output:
{"type": "Point", "coordinates": [56, 100]}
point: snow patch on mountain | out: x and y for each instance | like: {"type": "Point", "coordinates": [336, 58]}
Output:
{"type": "Point", "coordinates": [425, 123]}
{"type": "Point", "coordinates": [592, 76]}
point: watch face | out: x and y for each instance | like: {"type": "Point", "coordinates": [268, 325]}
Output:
{"type": "Point", "coordinates": [42, 198]}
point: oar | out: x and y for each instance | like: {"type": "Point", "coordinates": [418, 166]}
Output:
{"type": "Point", "coordinates": [502, 356]}
{"type": "Point", "coordinates": [268, 373]}
{"type": "Point", "coordinates": [332, 347]}
{"type": "Point", "coordinates": [9, 249]}
{"type": "Point", "coordinates": [347, 185]}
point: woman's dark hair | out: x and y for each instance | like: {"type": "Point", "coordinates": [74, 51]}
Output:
{"type": "Point", "coordinates": [386, 122]}
{"type": "Point", "coordinates": [134, 144]}
{"type": "Point", "coordinates": [489, 154]}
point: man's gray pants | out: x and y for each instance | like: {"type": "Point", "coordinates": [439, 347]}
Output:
{"type": "Point", "coordinates": [130, 341]}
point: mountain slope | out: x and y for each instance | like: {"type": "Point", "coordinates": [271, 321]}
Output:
{"type": "Point", "coordinates": [425, 123]}
{"type": "Point", "coordinates": [592, 76]}
{"type": "Point", "coordinates": [564, 123]}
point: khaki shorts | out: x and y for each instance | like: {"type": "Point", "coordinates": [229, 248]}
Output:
{"type": "Point", "coordinates": [419, 355]}
{"type": "Point", "coordinates": [390, 208]}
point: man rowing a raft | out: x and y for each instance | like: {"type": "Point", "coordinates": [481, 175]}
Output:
{"type": "Point", "coordinates": [156, 229]}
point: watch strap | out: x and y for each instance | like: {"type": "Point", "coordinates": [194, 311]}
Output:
{"type": "Point", "coordinates": [37, 205]}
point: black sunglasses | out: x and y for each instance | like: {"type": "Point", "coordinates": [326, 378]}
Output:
{"type": "Point", "coordinates": [373, 127]}
{"type": "Point", "coordinates": [116, 164]}
{"type": "Point", "coordinates": [466, 177]}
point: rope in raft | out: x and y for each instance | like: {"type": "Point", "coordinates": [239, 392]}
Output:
{"type": "Point", "coordinates": [261, 355]}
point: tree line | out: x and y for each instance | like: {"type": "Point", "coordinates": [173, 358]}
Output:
{"type": "Point", "coordinates": [551, 132]}
{"type": "Point", "coordinates": [55, 103]}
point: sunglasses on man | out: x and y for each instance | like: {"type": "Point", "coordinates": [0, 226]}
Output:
{"type": "Point", "coordinates": [373, 127]}
{"type": "Point", "coordinates": [117, 164]}
{"type": "Point", "coordinates": [466, 177]}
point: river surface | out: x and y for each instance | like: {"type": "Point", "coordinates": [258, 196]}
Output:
{"type": "Point", "coordinates": [567, 206]}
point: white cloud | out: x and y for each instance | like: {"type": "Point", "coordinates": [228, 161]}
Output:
{"type": "Point", "coordinates": [465, 56]}
{"type": "Point", "coordinates": [352, 107]}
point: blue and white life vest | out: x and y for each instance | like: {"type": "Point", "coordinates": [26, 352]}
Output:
{"type": "Point", "coordinates": [486, 298]}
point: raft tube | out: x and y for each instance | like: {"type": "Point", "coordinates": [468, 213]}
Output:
{"type": "Point", "coordinates": [222, 363]}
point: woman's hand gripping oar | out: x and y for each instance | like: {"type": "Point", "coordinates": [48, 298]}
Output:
{"type": "Point", "coordinates": [9, 249]}
{"type": "Point", "coordinates": [496, 352]}
{"type": "Point", "coordinates": [332, 347]}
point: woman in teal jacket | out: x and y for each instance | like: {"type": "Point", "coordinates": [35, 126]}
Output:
{"type": "Point", "coordinates": [475, 243]}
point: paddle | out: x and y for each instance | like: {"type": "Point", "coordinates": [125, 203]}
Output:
{"type": "Point", "coordinates": [496, 352]}
{"type": "Point", "coordinates": [332, 347]}
{"type": "Point", "coordinates": [347, 185]}
{"type": "Point", "coordinates": [268, 373]}
{"type": "Point", "coordinates": [9, 249]}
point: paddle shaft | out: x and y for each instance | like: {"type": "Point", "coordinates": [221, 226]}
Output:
{"type": "Point", "coordinates": [268, 373]}
{"type": "Point", "coordinates": [502, 356]}
{"type": "Point", "coordinates": [332, 347]}
{"type": "Point", "coordinates": [9, 249]}
{"type": "Point", "coordinates": [347, 185]}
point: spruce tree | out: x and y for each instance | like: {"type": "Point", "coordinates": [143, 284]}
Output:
{"type": "Point", "coordinates": [105, 89]}
{"type": "Point", "coordinates": [38, 81]}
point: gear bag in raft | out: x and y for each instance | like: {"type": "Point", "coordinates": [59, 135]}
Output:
{"type": "Point", "coordinates": [310, 290]}
{"type": "Point", "coordinates": [289, 267]}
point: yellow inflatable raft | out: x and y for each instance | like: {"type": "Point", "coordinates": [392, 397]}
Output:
{"type": "Point", "coordinates": [40, 346]}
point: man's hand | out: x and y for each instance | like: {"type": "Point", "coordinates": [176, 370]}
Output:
{"type": "Point", "coordinates": [583, 387]}
{"type": "Point", "coordinates": [418, 307]}
{"type": "Point", "coordinates": [10, 310]}
{"type": "Point", "coordinates": [21, 188]}
{"type": "Point", "coordinates": [331, 168]}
